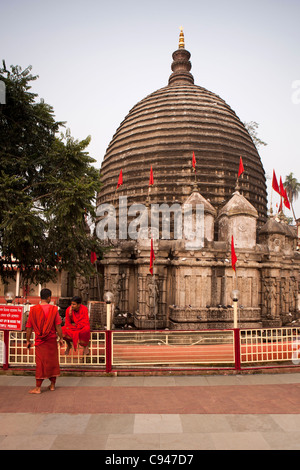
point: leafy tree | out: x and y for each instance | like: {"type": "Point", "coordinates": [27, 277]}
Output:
{"type": "Point", "coordinates": [292, 188]}
{"type": "Point", "coordinates": [48, 188]}
{"type": "Point", "coordinates": [252, 129]}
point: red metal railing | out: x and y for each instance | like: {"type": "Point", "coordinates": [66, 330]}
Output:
{"type": "Point", "coordinates": [120, 350]}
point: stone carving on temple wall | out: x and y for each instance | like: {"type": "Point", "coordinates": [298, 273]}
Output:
{"type": "Point", "coordinates": [284, 296]}
{"type": "Point", "coordinates": [117, 287]}
{"type": "Point", "coordinates": [269, 298]}
{"type": "Point", "coordinates": [152, 296]}
{"type": "Point", "coordinates": [83, 286]}
{"type": "Point", "coordinates": [242, 227]}
{"type": "Point", "coordinates": [293, 294]}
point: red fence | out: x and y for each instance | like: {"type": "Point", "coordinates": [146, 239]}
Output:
{"type": "Point", "coordinates": [136, 350]}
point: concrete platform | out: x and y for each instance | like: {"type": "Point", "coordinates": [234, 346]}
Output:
{"type": "Point", "coordinates": [178, 413]}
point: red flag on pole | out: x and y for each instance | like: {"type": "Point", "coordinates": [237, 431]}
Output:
{"type": "Point", "coordinates": [120, 180]}
{"type": "Point", "coordinates": [93, 257]}
{"type": "Point", "coordinates": [233, 255]}
{"type": "Point", "coordinates": [152, 258]}
{"type": "Point", "coordinates": [151, 180]}
{"type": "Point", "coordinates": [281, 194]}
{"type": "Point", "coordinates": [241, 167]}
{"type": "Point", "coordinates": [286, 201]}
{"type": "Point", "coordinates": [284, 195]}
{"type": "Point", "coordinates": [281, 188]}
{"type": "Point", "coordinates": [194, 162]}
{"type": "Point", "coordinates": [275, 183]}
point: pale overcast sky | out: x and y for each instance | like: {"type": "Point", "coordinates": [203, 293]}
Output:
{"type": "Point", "coordinates": [96, 59]}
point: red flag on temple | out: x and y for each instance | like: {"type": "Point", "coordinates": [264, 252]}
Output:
{"type": "Point", "coordinates": [194, 162]}
{"type": "Point", "coordinates": [152, 258]}
{"type": "Point", "coordinates": [284, 195]}
{"type": "Point", "coordinates": [241, 167]}
{"type": "Point", "coordinates": [233, 255]}
{"type": "Point", "coordinates": [275, 183]}
{"type": "Point", "coordinates": [286, 201]}
{"type": "Point", "coordinates": [281, 188]}
{"type": "Point", "coordinates": [120, 180]}
{"type": "Point", "coordinates": [93, 257]}
{"type": "Point", "coordinates": [151, 180]}
{"type": "Point", "coordinates": [281, 191]}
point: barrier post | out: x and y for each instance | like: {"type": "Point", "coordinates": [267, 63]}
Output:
{"type": "Point", "coordinates": [237, 349]}
{"type": "Point", "coordinates": [6, 349]}
{"type": "Point", "coordinates": [108, 350]}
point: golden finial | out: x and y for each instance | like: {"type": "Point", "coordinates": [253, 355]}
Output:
{"type": "Point", "coordinates": [181, 38]}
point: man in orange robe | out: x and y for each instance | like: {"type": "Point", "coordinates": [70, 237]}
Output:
{"type": "Point", "coordinates": [45, 321]}
{"type": "Point", "coordinates": [77, 326]}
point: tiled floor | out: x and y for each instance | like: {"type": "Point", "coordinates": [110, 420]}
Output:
{"type": "Point", "coordinates": [249, 412]}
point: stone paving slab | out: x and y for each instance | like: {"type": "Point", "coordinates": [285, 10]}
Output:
{"type": "Point", "coordinates": [148, 432]}
{"type": "Point", "coordinates": [222, 399]}
{"type": "Point", "coordinates": [258, 412]}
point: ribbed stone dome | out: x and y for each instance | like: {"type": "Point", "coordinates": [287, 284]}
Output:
{"type": "Point", "coordinates": [164, 129]}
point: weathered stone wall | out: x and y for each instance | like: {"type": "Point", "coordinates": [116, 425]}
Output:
{"type": "Point", "coordinates": [192, 289]}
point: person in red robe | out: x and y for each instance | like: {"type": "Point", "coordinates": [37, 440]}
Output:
{"type": "Point", "coordinates": [45, 321]}
{"type": "Point", "coordinates": [77, 326]}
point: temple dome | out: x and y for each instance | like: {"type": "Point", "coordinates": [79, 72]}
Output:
{"type": "Point", "coordinates": [164, 129]}
{"type": "Point", "coordinates": [238, 205]}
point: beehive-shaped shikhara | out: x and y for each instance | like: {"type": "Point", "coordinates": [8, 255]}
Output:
{"type": "Point", "coordinates": [164, 129]}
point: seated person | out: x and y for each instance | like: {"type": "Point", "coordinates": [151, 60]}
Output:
{"type": "Point", "coordinates": [77, 326]}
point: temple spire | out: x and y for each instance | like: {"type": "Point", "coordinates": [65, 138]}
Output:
{"type": "Point", "coordinates": [181, 39]}
{"type": "Point", "coordinates": [181, 65]}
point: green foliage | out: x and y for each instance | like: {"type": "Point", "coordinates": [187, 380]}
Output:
{"type": "Point", "coordinates": [252, 127]}
{"type": "Point", "coordinates": [48, 188]}
{"type": "Point", "coordinates": [292, 187]}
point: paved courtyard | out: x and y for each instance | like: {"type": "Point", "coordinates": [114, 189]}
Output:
{"type": "Point", "coordinates": [178, 413]}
